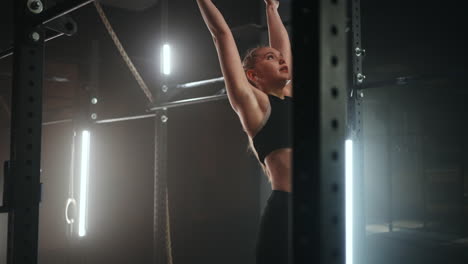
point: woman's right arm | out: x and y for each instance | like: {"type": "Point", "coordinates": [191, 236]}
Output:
{"type": "Point", "coordinates": [239, 90]}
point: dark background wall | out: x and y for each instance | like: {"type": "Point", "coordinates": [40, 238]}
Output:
{"type": "Point", "coordinates": [416, 142]}
{"type": "Point", "coordinates": [213, 186]}
{"type": "Point", "coordinates": [213, 190]}
{"type": "Point", "coordinates": [414, 133]}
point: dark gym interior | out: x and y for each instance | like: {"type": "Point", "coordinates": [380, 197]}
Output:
{"type": "Point", "coordinates": [414, 202]}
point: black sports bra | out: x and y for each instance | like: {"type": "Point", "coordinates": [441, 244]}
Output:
{"type": "Point", "coordinates": [277, 131]}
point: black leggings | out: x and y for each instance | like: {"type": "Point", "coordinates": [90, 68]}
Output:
{"type": "Point", "coordinates": [273, 242]}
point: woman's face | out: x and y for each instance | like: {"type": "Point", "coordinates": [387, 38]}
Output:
{"type": "Point", "coordinates": [270, 67]}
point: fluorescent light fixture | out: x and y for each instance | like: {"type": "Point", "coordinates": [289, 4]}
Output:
{"type": "Point", "coordinates": [166, 59]}
{"type": "Point", "coordinates": [84, 175]}
{"type": "Point", "coordinates": [349, 200]}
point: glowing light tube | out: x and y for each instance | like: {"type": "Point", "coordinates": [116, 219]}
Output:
{"type": "Point", "coordinates": [349, 200]}
{"type": "Point", "coordinates": [166, 59]}
{"type": "Point", "coordinates": [84, 175]}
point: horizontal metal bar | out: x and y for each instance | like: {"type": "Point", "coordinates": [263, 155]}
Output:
{"type": "Point", "coordinates": [255, 26]}
{"type": "Point", "coordinates": [249, 26]}
{"type": "Point", "coordinates": [60, 9]}
{"type": "Point", "coordinates": [413, 79]}
{"type": "Point", "coordinates": [200, 83]}
{"type": "Point", "coordinates": [106, 121]}
{"type": "Point", "coordinates": [168, 105]}
{"type": "Point", "coordinates": [100, 121]}
{"type": "Point", "coordinates": [57, 122]}
{"type": "Point", "coordinates": [10, 51]}
{"type": "Point", "coordinates": [165, 106]}
{"type": "Point", "coordinates": [58, 34]}
{"type": "Point", "coordinates": [190, 102]}
{"type": "Point", "coordinates": [50, 123]}
{"type": "Point", "coordinates": [6, 53]}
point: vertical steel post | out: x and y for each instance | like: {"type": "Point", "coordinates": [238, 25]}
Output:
{"type": "Point", "coordinates": [355, 110]}
{"type": "Point", "coordinates": [161, 245]}
{"type": "Point", "coordinates": [161, 235]}
{"type": "Point", "coordinates": [162, 95]}
{"type": "Point", "coordinates": [320, 81]}
{"type": "Point", "coordinates": [333, 102]}
{"type": "Point", "coordinates": [25, 134]}
{"type": "Point", "coordinates": [94, 77]}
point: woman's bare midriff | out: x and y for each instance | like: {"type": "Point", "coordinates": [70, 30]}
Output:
{"type": "Point", "coordinates": [279, 166]}
{"type": "Point", "coordinates": [279, 162]}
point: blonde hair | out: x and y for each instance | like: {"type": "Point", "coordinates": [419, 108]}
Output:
{"type": "Point", "coordinates": [250, 59]}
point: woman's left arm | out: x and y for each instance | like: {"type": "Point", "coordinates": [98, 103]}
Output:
{"type": "Point", "coordinates": [278, 36]}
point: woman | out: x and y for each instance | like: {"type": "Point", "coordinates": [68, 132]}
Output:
{"type": "Point", "coordinates": [260, 92]}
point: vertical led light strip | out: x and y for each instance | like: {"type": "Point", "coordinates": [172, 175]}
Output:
{"type": "Point", "coordinates": [166, 59]}
{"type": "Point", "coordinates": [84, 174]}
{"type": "Point", "coordinates": [349, 200]}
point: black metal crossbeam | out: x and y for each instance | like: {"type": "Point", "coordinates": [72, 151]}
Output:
{"type": "Point", "coordinates": [59, 10]}
{"type": "Point", "coordinates": [48, 15]}
{"type": "Point", "coordinates": [7, 53]}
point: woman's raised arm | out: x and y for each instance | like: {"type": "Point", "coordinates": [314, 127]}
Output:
{"type": "Point", "coordinates": [238, 88]}
{"type": "Point", "coordinates": [277, 33]}
{"type": "Point", "coordinates": [278, 36]}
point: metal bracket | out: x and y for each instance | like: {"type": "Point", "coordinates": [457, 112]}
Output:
{"type": "Point", "coordinates": [64, 24]}
{"type": "Point", "coordinates": [359, 52]}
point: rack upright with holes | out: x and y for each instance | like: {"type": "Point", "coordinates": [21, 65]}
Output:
{"type": "Point", "coordinates": [320, 80]}
{"type": "Point", "coordinates": [22, 187]}
{"type": "Point", "coordinates": [23, 171]}
{"type": "Point", "coordinates": [355, 133]}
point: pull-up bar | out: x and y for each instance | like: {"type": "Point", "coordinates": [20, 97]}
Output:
{"type": "Point", "coordinates": [164, 107]}
{"type": "Point", "coordinates": [190, 102]}
{"type": "Point", "coordinates": [161, 107]}
{"type": "Point", "coordinates": [200, 83]}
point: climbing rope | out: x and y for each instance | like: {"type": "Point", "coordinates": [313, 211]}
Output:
{"type": "Point", "coordinates": [123, 53]}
